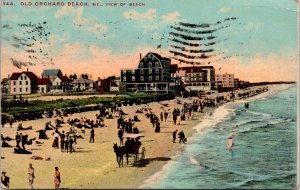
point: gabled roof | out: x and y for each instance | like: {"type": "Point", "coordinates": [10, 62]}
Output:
{"type": "Point", "coordinates": [82, 81]}
{"type": "Point", "coordinates": [51, 72]}
{"type": "Point", "coordinates": [43, 81]}
{"type": "Point", "coordinates": [65, 79]}
{"type": "Point", "coordinates": [29, 74]}
{"type": "Point", "coordinates": [159, 57]}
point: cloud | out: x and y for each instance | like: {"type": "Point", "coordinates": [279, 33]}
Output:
{"type": "Point", "coordinates": [65, 10]}
{"type": "Point", "coordinates": [96, 29]}
{"type": "Point", "coordinates": [225, 10]}
{"type": "Point", "coordinates": [134, 15]}
{"type": "Point", "coordinates": [171, 17]}
{"type": "Point", "coordinates": [78, 17]}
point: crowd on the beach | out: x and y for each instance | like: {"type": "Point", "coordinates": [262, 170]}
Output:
{"type": "Point", "coordinates": [67, 140]}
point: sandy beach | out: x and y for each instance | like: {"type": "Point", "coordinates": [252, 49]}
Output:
{"type": "Point", "coordinates": [94, 165]}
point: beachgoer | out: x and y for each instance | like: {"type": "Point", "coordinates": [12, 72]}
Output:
{"type": "Point", "coordinates": [161, 116]}
{"type": "Point", "coordinates": [181, 137]}
{"type": "Point", "coordinates": [174, 135]}
{"type": "Point", "coordinates": [5, 180]}
{"type": "Point", "coordinates": [178, 120]}
{"type": "Point", "coordinates": [57, 180]}
{"type": "Point", "coordinates": [230, 143]}
{"type": "Point", "coordinates": [83, 130]}
{"type": "Point", "coordinates": [55, 141]}
{"type": "Point", "coordinates": [92, 135]}
{"type": "Point", "coordinates": [31, 175]}
{"type": "Point", "coordinates": [18, 140]}
{"type": "Point", "coordinates": [120, 135]}
{"type": "Point", "coordinates": [62, 141]}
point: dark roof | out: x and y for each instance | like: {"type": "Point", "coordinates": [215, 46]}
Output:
{"type": "Point", "coordinates": [65, 79]}
{"type": "Point", "coordinates": [43, 81]}
{"type": "Point", "coordinates": [30, 75]}
{"type": "Point", "coordinates": [160, 57]}
{"type": "Point", "coordinates": [207, 67]}
{"type": "Point", "coordinates": [174, 68]}
{"type": "Point", "coordinates": [15, 76]}
{"type": "Point", "coordinates": [192, 69]}
{"type": "Point", "coordinates": [51, 72]}
{"type": "Point", "coordinates": [82, 81]}
{"type": "Point", "coordinates": [113, 84]}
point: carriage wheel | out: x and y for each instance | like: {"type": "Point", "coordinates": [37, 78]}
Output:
{"type": "Point", "coordinates": [143, 153]}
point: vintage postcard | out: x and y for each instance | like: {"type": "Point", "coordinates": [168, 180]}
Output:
{"type": "Point", "coordinates": [159, 94]}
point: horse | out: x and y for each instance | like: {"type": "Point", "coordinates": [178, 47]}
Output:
{"type": "Point", "coordinates": [120, 151]}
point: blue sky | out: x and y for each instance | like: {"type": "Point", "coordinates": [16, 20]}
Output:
{"type": "Point", "coordinates": [110, 38]}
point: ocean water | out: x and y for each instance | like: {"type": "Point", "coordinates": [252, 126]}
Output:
{"type": "Point", "coordinates": [264, 152]}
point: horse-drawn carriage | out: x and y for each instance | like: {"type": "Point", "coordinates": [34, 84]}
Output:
{"type": "Point", "coordinates": [131, 149]}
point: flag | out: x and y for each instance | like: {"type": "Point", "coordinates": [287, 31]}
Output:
{"type": "Point", "coordinates": [159, 46]}
{"type": "Point", "coordinates": [220, 69]}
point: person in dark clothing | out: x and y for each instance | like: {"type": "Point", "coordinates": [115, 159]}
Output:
{"type": "Point", "coordinates": [5, 180]}
{"type": "Point", "coordinates": [18, 140]}
{"type": "Point", "coordinates": [120, 121]}
{"type": "Point", "coordinates": [161, 116]}
{"type": "Point", "coordinates": [157, 127]}
{"type": "Point", "coordinates": [120, 135]}
{"type": "Point", "coordinates": [62, 141]}
{"type": "Point", "coordinates": [181, 137]}
{"type": "Point", "coordinates": [92, 135]}
{"type": "Point", "coordinates": [166, 115]}
{"type": "Point", "coordinates": [67, 143]}
{"type": "Point", "coordinates": [23, 141]}
{"type": "Point", "coordinates": [174, 135]}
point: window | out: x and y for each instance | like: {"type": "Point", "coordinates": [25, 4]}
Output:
{"type": "Point", "coordinates": [26, 89]}
{"type": "Point", "coordinates": [20, 89]}
{"type": "Point", "coordinates": [156, 71]}
{"type": "Point", "coordinates": [124, 78]}
{"type": "Point", "coordinates": [14, 89]}
{"type": "Point", "coordinates": [133, 78]}
{"type": "Point", "coordinates": [142, 71]}
{"type": "Point", "coordinates": [25, 78]}
{"type": "Point", "coordinates": [14, 82]}
{"type": "Point", "coordinates": [124, 72]}
{"type": "Point", "coordinates": [21, 77]}
{"type": "Point", "coordinates": [142, 78]}
{"type": "Point", "coordinates": [157, 77]}
{"type": "Point", "coordinates": [26, 82]}
{"type": "Point", "coordinates": [150, 71]}
{"type": "Point", "coordinates": [133, 71]}
{"type": "Point", "coordinates": [149, 64]}
{"type": "Point", "coordinates": [150, 78]}
{"type": "Point", "coordinates": [141, 64]}
{"type": "Point", "coordinates": [156, 64]}
{"type": "Point", "coordinates": [20, 82]}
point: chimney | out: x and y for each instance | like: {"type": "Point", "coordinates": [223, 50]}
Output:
{"type": "Point", "coordinates": [140, 56]}
{"type": "Point", "coordinates": [27, 69]}
{"type": "Point", "coordinates": [98, 78]}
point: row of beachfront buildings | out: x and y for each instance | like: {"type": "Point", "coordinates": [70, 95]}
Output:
{"type": "Point", "coordinates": [153, 74]}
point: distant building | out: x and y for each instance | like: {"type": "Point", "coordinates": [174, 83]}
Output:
{"type": "Point", "coordinates": [25, 82]}
{"type": "Point", "coordinates": [175, 78]}
{"type": "Point", "coordinates": [105, 85]}
{"type": "Point", "coordinates": [236, 83]}
{"type": "Point", "coordinates": [44, 85]}
{"type": "Point", "coordinates": [227, 80]}
{"type": "Point", "coordinates": [51, 73]}
{"type": "Point", "coordinates": [80, 85]}
{"type": "Point", "coordinates": [61, 84]}
{"type": "Point", "coordinates": [198, 78]}
{"type": "Point", "coordinates": [5, 86]}
{"type": "Point", "coordinates": [152, 75]}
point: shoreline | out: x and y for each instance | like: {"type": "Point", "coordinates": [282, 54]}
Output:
{"type": "Point", "coordinates": [96, 165]}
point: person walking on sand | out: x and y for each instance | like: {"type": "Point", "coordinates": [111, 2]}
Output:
{"type": "Point", "coordinates": [31, 175]}
{"type": "Point", "coordinates": [92, 135]}
{"type": "Point", "coordinates": [4, 180]}
{"type": "Point", "coordinates": [161, 117]}
{"type": "Point", "coordinates": [174, 135]}
{"type": "Point", "coordinates": [120, 135]}
{"type": "Point", "coordinates": [83, 130]}
{"type": "Point", "coordinates": [181, 137]}
{"type": "Point", "coordinates": [178, 120]}
{"type": "Point", "coordinates": [57, 180]}
{"type": "Point", "coordinates": [10, 120]}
